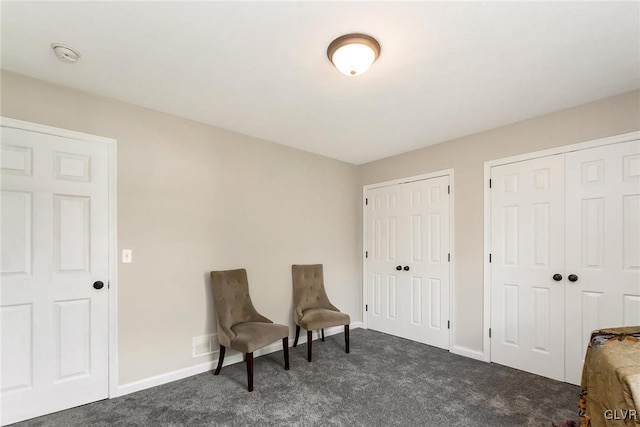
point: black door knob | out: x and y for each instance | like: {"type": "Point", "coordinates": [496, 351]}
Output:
{"type": "Point", "coordinates": [399, 267]}
{"type": "Point", "coordinates": [557, 277]}
{"type": "Point", "coordinates": [406, 268]}
{"type": "Point", "coordinates": [572, 278]}
{"type": "Point", "coordinates": [98, 285]}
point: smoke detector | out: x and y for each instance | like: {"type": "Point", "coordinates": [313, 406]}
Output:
{"type": "Point", "coordinates": [65, 53]}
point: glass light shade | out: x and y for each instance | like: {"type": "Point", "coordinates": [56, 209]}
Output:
{"type": "Point", "coordinates": [353, 59]}
{"type": "Point", "coordinates": [353, 54]}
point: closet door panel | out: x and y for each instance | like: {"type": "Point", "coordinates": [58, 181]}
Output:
{"type": "Point", "coordinates": [527, 247]}
{"type": "Point", "coordinates": [603, 245]}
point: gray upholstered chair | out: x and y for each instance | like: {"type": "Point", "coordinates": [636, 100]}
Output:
{"type": "Point", "coordinates": [312, 309]}
{"type": "Point", "coordinates": [240, 326]}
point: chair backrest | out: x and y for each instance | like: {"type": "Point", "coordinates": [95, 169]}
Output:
{"type": "Point", "coordinates": [308, 289]}
{"type": "Point", "coordinates": [232, 302]}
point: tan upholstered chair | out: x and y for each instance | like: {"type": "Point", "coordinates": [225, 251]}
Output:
{"type": "Point", "coordinates": [240, 326]}
{"type": "Point", "coordinates": [312, 309]}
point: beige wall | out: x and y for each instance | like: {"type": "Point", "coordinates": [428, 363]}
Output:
{"type": "Point", "coordinates": [607, 117]}
{"type": "Point", "coordinates": [194, 198]}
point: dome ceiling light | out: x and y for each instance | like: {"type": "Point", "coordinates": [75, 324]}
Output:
{"type": "Point", "coordinates": [353, 54]}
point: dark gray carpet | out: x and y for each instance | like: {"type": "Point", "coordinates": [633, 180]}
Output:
{"type": "Point", "coordinates": [385, 381]}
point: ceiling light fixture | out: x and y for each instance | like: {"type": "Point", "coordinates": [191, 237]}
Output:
{"type": "Point", "coordinates": [65, 53]}
{"type": "Point", "coordinates": [353, 54]}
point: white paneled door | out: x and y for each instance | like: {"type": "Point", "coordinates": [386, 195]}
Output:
{"type": "Point", "coordinates": [565, 255]}
{"type": "Point", "coordinates": [54, 311]}
{"type": "Point", "coordinates": [603, 245]}
{"type": "Point", "coordinates": [527, 249]}
{"type": "Point", "coordinates": [408, 237]}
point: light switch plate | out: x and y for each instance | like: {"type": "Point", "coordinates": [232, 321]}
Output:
{"type": "Point", "coordinates": [127, 255]}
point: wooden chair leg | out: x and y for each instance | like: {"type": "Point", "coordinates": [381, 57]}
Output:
{"type": "Point", "coordinates": [322, 334]}
{"type": "Point", "coordinates": [295, 341]}
{"type": "Point", "coordinates": [309, 340]}
{"type": "Point", "coordinates": [285, 348]}
{"type": "Point", "coordinates": [220, 360]}
{"type": "Point", "coordinates": [346, 337]}
{"type": "Point", "coordinates": [250, 370]}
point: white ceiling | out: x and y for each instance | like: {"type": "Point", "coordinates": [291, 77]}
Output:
{"type": "Point", "coordinates": [447, 69]}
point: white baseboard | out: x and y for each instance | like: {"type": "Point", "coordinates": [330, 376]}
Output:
{"type": "Point", "coordinates": [231, 357]}
{"type": "Point", "coordinates": [168, 377]}
{"type": "Point", "coordinates": [356, 325]}
{"type": "Point", "coordinates": [467, 352]}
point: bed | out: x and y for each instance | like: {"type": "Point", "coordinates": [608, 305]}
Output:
{"type": "Point", "coordinates": [610, 388]}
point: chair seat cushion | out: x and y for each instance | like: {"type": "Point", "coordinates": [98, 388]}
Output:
{"type": "Point", "coordinates": [251, 336]}
{"type": "Point", "coordinates": [319, 318]}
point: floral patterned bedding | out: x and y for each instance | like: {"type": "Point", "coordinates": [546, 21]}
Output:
{"type": "Point", "coordinates": [610, 389]}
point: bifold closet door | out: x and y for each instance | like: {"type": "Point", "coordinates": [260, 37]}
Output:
{"type": "Point", "coordinates": [527, 250]}
{"type": "Point", "coordinates": [575, 216]}
{"type": "Point", "coordinates": [602, 245]}
{"type": "Point", "coordinates": [408, 229]}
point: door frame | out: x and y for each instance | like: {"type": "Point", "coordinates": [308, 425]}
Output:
{"type": "Point", "coordinates": [616, 139]}
{"type": "Point", "coordinates": [111, 145]}
{"type": "Point", "coordinates": [421, 177]}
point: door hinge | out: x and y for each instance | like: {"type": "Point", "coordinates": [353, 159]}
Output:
{"type": "Point", "coordinates": [489, 182]}
{"type": "Point", "coordinates": [108, 285]}
{"type": "Point", "coordinates": [448, 257]}
{"type": "Point", "coordinates": [489, 258]}
{"type": "Point", "coordinates": [489, 332]}
{"type": "Point", "coordinates": [366, 254]}
{"type": "Point", "coordinates": [366, 307]}
{"type": "Point", "coordinates": [448, 324]}
{"type": "Point", "coordinates": [366, 201]}
{"type": "Point", "coordinates": [448, 189]}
